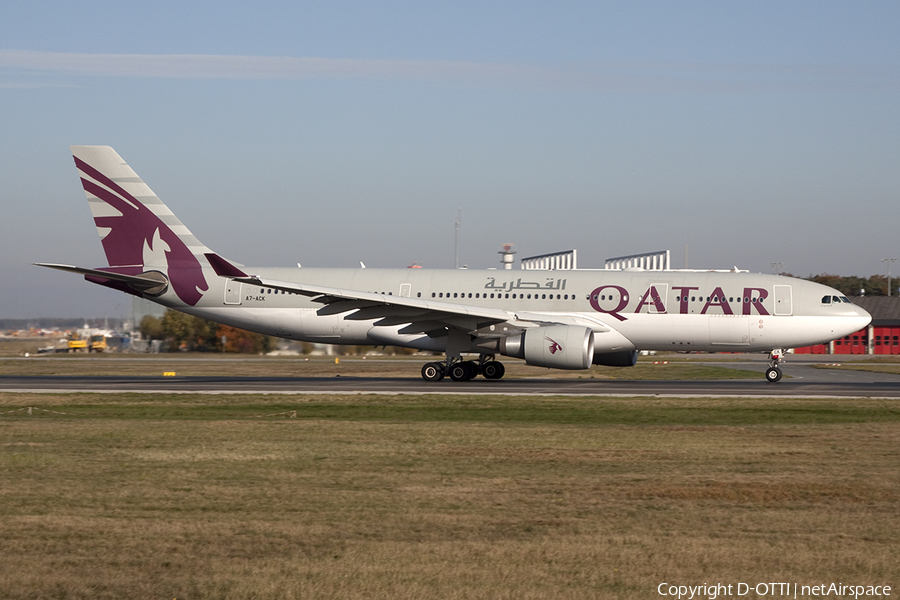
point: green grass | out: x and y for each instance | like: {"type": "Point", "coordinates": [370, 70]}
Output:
{"type": "Point", "coordinates": [201, 496]}
{"type": "Point", "coordinates": [471, 409]}
{"type": "Point", "coordinates": [873, 366]}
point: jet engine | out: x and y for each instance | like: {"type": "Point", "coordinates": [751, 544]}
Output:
{"type": "Point", "coordinates": [555, 346]}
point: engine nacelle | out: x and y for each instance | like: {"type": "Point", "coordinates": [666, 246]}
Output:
{"type": "Point", "coordinates": [624, 358]}
{"type": "Point", "coordinates": [555, 346]}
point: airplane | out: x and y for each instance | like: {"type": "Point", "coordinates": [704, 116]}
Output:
{"type": "Point", "coordinates": [562, 319]}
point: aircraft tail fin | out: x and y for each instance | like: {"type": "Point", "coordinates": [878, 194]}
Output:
{"type": "Point", "coordinates": [138, 231]}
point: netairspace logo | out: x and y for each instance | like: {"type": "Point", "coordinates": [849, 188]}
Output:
{"type": "Point", "coordinates": [777, 589]}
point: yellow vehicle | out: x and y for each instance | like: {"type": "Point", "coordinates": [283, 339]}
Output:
{"type": "Point", "coordinates": [77, 343]}
{"type": "Point", "coordinates": [98, 343]}
{"type": "Point", "coordinates": [85, 341]}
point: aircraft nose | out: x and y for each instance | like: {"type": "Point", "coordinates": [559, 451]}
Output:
{"type": "Point", "coordinates": [863, 317]}
{"type": "Point", "coordinates": [857, 320]}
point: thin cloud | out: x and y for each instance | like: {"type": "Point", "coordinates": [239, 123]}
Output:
{"type": "Point", "coordinates": [611, 77]}
{"type": "Point", "coordinates": [14, 85]}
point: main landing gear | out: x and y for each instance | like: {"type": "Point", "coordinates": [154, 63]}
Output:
{"type": "Point", "coordinates": [463, 370]}
{"type": "Point", "coordinates": [773, 373]}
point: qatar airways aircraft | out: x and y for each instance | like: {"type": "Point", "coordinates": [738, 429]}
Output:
{"type": "Point", "coordinates": [558, 319]}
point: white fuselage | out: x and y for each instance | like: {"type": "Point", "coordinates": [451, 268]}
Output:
{"type": "Point", "coordinates": [627, 310]}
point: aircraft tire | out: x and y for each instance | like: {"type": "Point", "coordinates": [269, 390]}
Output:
{"type": "Point", "coordinates": [773, 374]}
{"type": "Point", "coordinates": [433, 371]}
{"type": "Point", "coordinates": [463, 371]}
{"type": "Point", "coordinates": [493, 369]}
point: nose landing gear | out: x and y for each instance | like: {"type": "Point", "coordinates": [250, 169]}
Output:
{"type": "Point", "coordinates": [773, 373]}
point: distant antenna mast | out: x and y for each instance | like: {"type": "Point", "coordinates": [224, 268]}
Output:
{"type": "Point", "coordinates": [456, 239]}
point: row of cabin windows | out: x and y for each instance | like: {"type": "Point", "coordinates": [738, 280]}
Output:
{"type": "Point", "coordinates": [747, 300]}
{"type": "Point", "coordinates": [514, 296]}
{"type": "Point", "coordinates": [558, 296]}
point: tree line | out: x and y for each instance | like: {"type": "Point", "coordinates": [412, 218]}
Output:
{"type": "Point", "coordinates": [183, 332]}
{"type": "Point", "coordinates": [876, 285]}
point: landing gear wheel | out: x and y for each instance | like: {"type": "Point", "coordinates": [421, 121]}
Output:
{"type": "Point", "coordinates": [463, 371]}
{"type": "Point", "coordinates": [773, 374]}
{"type": "Point", "coordinates": [433, 371]}
{"type": "Point", "coordinates": [493, 369]}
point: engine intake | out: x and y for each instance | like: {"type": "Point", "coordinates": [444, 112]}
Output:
{"type": "Point", "coordinates": [555, 346]}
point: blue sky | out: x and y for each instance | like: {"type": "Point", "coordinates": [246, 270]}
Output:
{"type": "Point", "coordinates": [329, 133]}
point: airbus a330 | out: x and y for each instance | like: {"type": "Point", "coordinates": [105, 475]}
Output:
{"type": "Point", "coordinates": [565, 319]}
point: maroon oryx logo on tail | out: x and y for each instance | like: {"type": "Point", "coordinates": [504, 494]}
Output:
{"type": "Point", "coordinates": [137, 230]}
{"type": "Point", "coordinates": [554, 345]}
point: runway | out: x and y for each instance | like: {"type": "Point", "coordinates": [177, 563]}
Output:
{"type": "Point", "coordinates": [816, 383]}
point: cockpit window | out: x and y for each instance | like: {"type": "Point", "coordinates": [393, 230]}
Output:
{"type": "Point", "coordinates": [835, 299]}
{"type": "Point", "coordinates": [845, 299]}
{"type": "Point", "coordinates": [826, 299]}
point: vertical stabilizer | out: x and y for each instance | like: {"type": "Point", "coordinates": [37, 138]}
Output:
{"type": "Point", "coordinates": [139, 233]}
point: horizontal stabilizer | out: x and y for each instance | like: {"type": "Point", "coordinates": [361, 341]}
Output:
{"type": "Point", "coordinates": [150, 282]}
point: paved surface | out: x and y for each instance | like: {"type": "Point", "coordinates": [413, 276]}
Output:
{"type": "Point", "coordinates": [801, 380]}
{"type": "Point", "coordinates": [821, 384]}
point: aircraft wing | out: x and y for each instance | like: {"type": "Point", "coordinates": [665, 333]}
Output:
{"type": "Point", "coordinates": [421, 315]}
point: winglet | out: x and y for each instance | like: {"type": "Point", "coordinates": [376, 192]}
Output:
{"type": "Point", "coordinates": [222, 267]}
